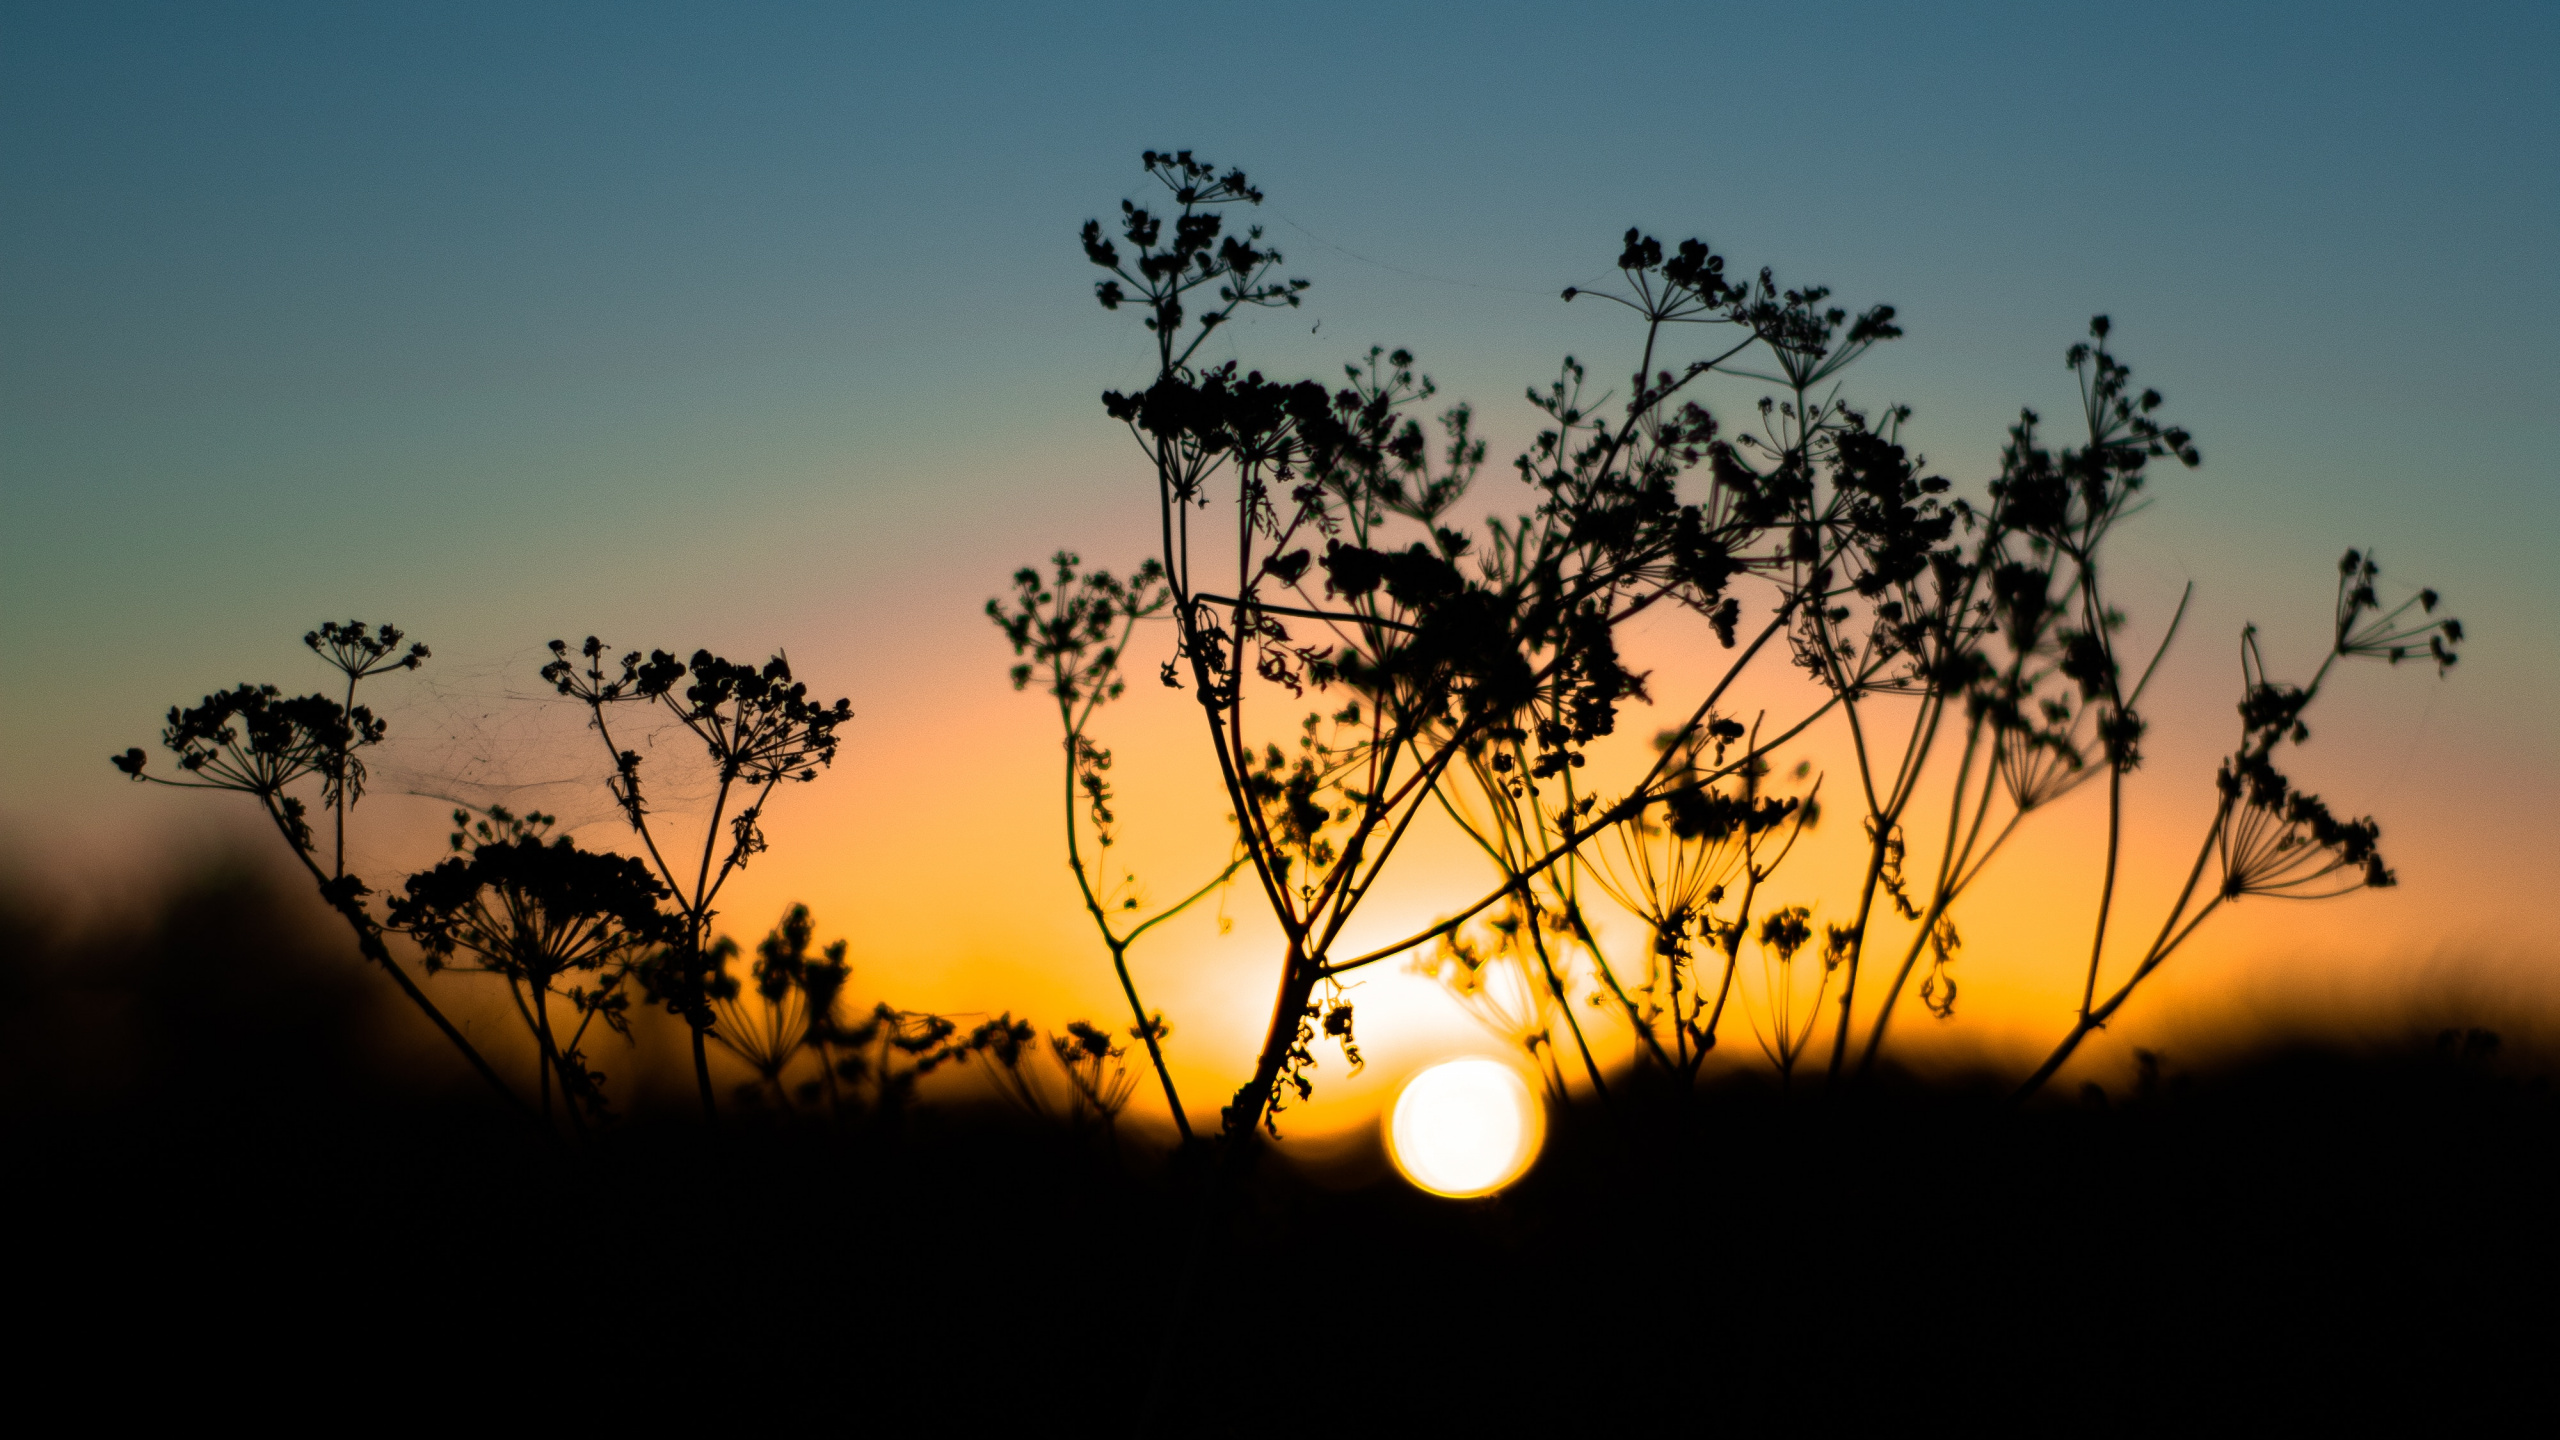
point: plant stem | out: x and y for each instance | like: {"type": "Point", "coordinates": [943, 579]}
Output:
{"type": "Point", "coordinates": [702, 1076]}
{"type": "Point", "coordinates": [1289, 1007]}
{"type": "Point", "coordinates": [369, 943]}
{"type": "Point", "coordinates": [1147, 1032]}
{"type": "Point", "coordinates": [1555, 986]}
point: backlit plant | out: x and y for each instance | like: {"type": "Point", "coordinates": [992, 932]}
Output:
{"type": "Point", "coordinates": [1074, 627]}
{"type": "Point", "coordinates": [556, 923]}
{"type": "Point", "coordinates": [278, 749]}
{"type": "Point", "coordinates": [760, 730]}
{"type": "Point", "coordinates": [1310, 548]}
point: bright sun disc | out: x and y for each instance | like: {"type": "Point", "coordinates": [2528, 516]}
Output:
{"type": "Point", "coordinates": [1465, 1127]}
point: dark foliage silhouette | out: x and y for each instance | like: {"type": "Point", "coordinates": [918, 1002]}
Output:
{"type": "Point", "coordinates": [556, 922]}
{"type": "Point", "coordinates": [573, 933]}
{"type": "Point", "coordinates": [201, 1001]}
{"type": "Point", "coordinates": [759, 730]}
{"type": "Point", "coordinates": [792, 1007]}
{"type": "Point", "coordinates": [2267, 836]}
{"type": "Point", "coordinates": [1362, 657]}
{"type": "Point", "coordinates": [1416, 663]}
{"type": "Point", "coordinates": [255, 740]}
{"type": "Point", "coordinates": [1075, 627]}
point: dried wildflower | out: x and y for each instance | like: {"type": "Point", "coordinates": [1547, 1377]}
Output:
{"type": "Point", "coordinates": [2268, 837]}
{"type": "Point", "coordinates": [254, 740]}
{"type": "Point", "coordinates": [552, 920]}
{"type": "Point", "coordinates": [1074, 625]}
{"type": "Point", "coordinates": [759, 729]}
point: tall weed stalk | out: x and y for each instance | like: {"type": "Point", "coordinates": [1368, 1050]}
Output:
{"type": "Point", "coordinates": [1359, 656]}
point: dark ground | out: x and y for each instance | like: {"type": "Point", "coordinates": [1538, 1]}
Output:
{"type": "Point", "coordinates": [224, 1202]}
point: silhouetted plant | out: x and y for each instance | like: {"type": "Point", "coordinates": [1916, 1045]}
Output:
{"type": "Point", "coordinates": [1491, 658]}
{"type": "Point", "coordinates": [1852, 541]}
{"type": "Point", "coordinates": [1791, 1014]}
{"type": "Point", "coordinates": [1714, 844]}
{"type": "Point", "coordinates": [1075, 627]}
{"type": "Point", "coordinates": [1007, 1045]}
{"type": "Point", "coordinates": [1669, 869]}
{"type": "Point", "coordinates": [255, 740]}
{"type": "Point", "coordinates": [759, 729]}
{"type": "Point", "coordinates": [2024, 744]}
{"type": "Point", "coordinates": [1097, 1084]}
{"type": "Point", "coordinates": [797, 995]}
{"type": "Point", "coordinates": [2268, 837]}
{"type": "Point", "coordinates": [1982, 626]}
{"type": "Point", "coordinates": [793, 1005]}
{"type": "Point", "coordinates": [553, 921]}
{"type": "Point", "coordinates": [890, 1052]}
{"type": "Point", "coordinates": [1438, 641]}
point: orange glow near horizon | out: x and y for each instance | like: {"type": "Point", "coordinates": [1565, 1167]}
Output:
{"type": "Point", "coordinates": [946, 867]}
{"type": "Point", "coordinates": [935, 845]}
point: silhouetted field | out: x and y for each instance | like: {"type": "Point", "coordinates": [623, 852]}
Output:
{"type": "Point", "coordinates": [230, 1182]}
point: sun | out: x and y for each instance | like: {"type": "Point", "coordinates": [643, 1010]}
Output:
{"type": "Point", "coordinates": [1465, 1127]}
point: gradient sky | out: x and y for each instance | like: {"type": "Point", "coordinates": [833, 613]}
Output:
{"type": "Point", "coordinates": [753, 326]}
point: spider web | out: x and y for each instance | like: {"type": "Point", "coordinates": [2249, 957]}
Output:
{"type": "Point", "coordinates": [492, 733]}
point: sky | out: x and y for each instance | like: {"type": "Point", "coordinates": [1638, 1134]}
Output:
{"type": "Point", "coordinates": [762, 327]}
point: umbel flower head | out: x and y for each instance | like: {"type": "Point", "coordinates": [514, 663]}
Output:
{"type": "Point", "coordinates": [358, 651]}
{"type": "Point", "coordinates": [796, 995]}
{"type": "Point", "coordinates": [532, 910]}
{"type": "Point", "coordinates": [2281, 841]}
{"type": "Point", "coordinates": [2405, 631]}
{"type": "Point", "coordinates": [255, 740]}
{"type": "Point", "coordinates": [758, 725]}
{"type": "Point", "coordinates": [2278, 840]}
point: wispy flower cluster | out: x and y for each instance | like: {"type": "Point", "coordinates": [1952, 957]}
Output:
{"type": "Point", "coordinates": [1966, 647]}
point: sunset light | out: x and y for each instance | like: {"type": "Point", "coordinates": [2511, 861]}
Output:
{"type": "Point", "coordinates": [983, 713]}
{"type": "Point", "coordinates": [1465, 1127]}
